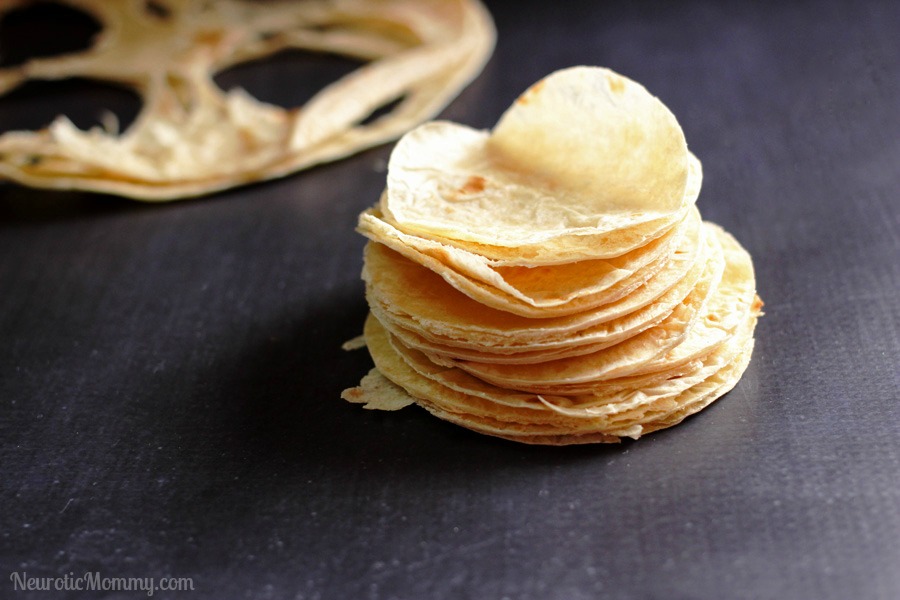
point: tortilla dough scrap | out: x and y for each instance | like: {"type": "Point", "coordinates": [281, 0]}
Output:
{"type": "Point", "coordinates": [191, 138]}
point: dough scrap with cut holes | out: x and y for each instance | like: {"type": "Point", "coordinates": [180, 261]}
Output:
{"type": "Point", "coordinates": [191, 138]}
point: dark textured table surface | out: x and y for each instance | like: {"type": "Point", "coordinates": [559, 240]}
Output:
{"type": "Point", "coordinates": [169, 375]}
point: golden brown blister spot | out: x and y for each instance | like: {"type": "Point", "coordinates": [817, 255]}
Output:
{"type": "Point", "coordinates": [353, 395]}
{"type": "Point", "coordinates": [531, 93]}
{"type": "Point", "coordinates": [757, 306]}
{"type": "Point", "coordinates": [616, 84]}
{"type": "Point", "coordinates": [209, 37]}
{"type": "Point", "coordinates": [474, 184]}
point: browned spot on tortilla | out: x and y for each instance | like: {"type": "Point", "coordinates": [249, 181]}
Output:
{"type": "Point", "coordinates": [532, 91]}
{"type": "Point", "coordinates": [616, 84]}
{"type": "Point", "coordinates": [757, 305]}
{"type": "Point", "coordinates": [473, 185]}
{"type": "Point", "coordinates": [353, 394]}
{"type": "Point", "coordinates": [209, 37]}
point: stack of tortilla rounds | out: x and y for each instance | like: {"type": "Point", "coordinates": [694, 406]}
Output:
{"type": "Point", "coordinates": [551, 281]}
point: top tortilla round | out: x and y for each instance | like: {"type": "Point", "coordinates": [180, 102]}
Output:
{"type": "Point", "coordinates": [584, 152]}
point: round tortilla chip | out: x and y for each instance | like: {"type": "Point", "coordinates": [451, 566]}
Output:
{"type": "Point", "coordinates": [576, 247]}
{"type": "Point", "coordinates": [583, 152]}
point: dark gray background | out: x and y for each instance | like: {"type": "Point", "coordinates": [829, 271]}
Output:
{"type": "Point", "coordinates": [169, 375]}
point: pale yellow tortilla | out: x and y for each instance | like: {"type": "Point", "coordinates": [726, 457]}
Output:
{"type": "Point", "coordinates": [545, 172]}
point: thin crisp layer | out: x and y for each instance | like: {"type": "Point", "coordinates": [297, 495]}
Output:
{"type": "Point", "coordinates": [583, 152]}
{"type": "Point", "coordinates": [618, 360]}
{"type": "Point", "coordinates": [455, 326]}
{"type": "Point", "coordinates": [538, 286]}
{"type": "Point", "coordinates": [524, 415]}
{"type": "Point", "coordinates": [580, 246]}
